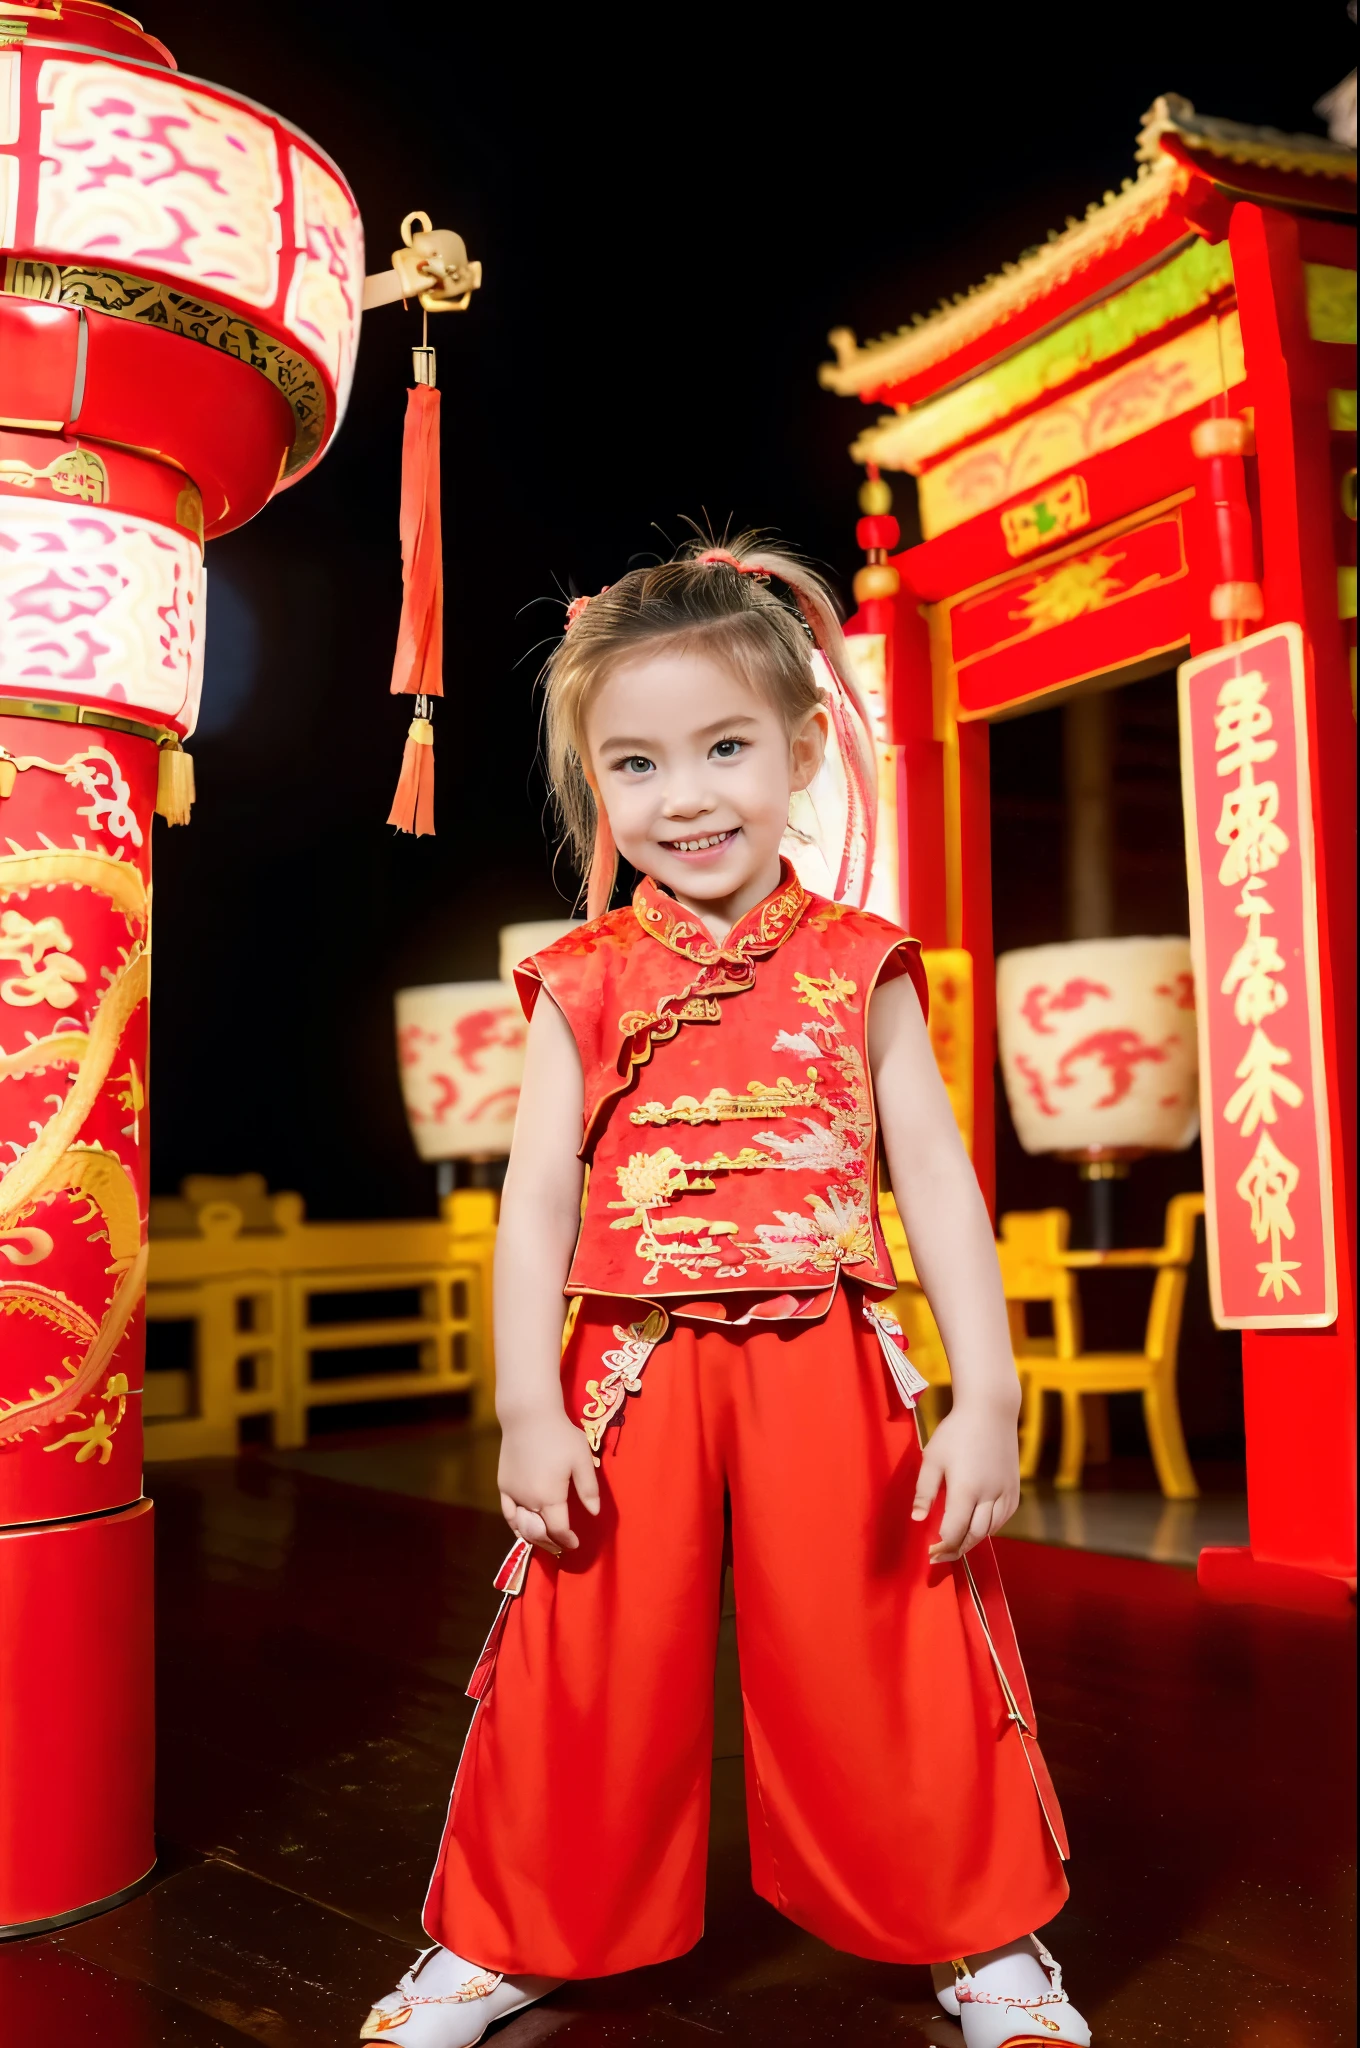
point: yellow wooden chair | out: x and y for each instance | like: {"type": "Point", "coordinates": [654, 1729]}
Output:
{"type": "Point", "coordinates": [1036, 1265]}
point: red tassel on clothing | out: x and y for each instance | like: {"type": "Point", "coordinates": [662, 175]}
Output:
{"type": "Point", "coordinates": [418, 669]}
{"type": "Point", "coordinates": [509, 1582]}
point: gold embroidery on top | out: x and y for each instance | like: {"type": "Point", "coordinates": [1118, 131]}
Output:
{"type": "Point", "coordinates": [822, 993]}
{"type": "Point", "coordinates": [837, 1233]}
{"type": "Point", "coordinates": [685, 1007]}
{"type": "Point", "coordinates": [838, 1229]}
{"type": "Point", "coordinates": [766, 926]}
{"type": "Point", "coordinates": [778, 912]}
{"type": "Point", "coordinates": [650, 1181]}
{"type": "Point", "coordinates": [720, 1105]}
{"type": "Point", "coordinates": [652, 1178]}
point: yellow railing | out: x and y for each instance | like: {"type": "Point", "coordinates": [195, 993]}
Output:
{"type": "Point", "coordinates": [261, 1293]}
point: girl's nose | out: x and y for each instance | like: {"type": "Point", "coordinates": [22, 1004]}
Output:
{"type": "Point", "coordinates": [687, 801]}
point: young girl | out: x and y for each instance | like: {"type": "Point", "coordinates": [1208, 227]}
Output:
{"type": "Point", "coordinates": [727, 1053]}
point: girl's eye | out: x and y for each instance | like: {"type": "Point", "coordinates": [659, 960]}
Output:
{"type": "Point", "coordinates": [634, 764]}
{"type": "Point", "coordinates": [727, 750]}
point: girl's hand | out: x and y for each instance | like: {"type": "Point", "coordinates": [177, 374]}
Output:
{"type": "Point", "coordinates": [543, 1455]}
{"type": "Point", "coordinates": [975, 1454]}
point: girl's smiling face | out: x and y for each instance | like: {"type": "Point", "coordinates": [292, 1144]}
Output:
{"type": "Point", "coordinates": [695, 768]}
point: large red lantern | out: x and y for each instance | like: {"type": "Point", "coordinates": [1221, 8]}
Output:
{"type": "Point", "coordinates": [181, 280]}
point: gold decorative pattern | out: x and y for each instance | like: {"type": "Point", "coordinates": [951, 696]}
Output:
{"type": "Point", "coordinates": [762, 929]}
{"type": "Point", "coordinates": [40, 950]}
{"type": "Point", "coordinates": [58, 713]}
{"type": "Point", "coordinates": [1085, 584]}
{"type": "Point", "coordinates": [720, 1105]}
{"type": "Point", "coordinates": [125, 297]}
{"type": "Point", "coordinates": [636, 1344]}
{"type": "Point", "coordinates": [839, 1229]}
{"type": "Point", "coordinates": [75, 473]}
{"type": "Point", "coordinates": [87, 867]}
{"type": "Point", "coordinates": [1063, 509]}
{"type": "Point", "coordinates": [1191, 277]}
{"type": "Point", "coordinates": [56, 1160]}
{"type": "Point", "coordinates": [1165, 383]}
{"type": "Point", "coordinates": [96, 1439]}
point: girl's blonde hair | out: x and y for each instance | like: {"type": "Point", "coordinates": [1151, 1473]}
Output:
{"type": "Point", "coordinates": [718, 600]}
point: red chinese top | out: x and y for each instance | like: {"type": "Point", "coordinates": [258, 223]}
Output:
{"type": "Point", "coordinates": [729, 1113]}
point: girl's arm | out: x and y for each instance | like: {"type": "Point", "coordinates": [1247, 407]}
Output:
{"type": "Point", "coordinates": [974, 1452]}
{"type": "Point", "coordinates": [543, 1453]}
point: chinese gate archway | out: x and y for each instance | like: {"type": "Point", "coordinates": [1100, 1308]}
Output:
{"type": "Point", "coordinates": [181, 275]}
{"type": "Point", "coordinates": [1138, 445]}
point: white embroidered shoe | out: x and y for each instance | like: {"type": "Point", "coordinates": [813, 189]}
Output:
{"type": "Point", "coordinates": [996, 2013]}
{"type": "Point", "coordinates": [445, 2002]}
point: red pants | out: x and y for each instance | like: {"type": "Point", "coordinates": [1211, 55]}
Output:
{"type": "Point", "coordinates": [896, 1798]}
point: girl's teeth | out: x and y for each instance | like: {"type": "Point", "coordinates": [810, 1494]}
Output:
{"type": "Point", "coordinates": [700, 845]}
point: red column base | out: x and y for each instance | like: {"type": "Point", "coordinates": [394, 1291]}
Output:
{"type": "Point", "coordinates": [77, 1716]}
{"type": "Point", "coordinates": [1234, 1574]}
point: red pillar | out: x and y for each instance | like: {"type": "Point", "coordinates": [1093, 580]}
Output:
{"type": "Point", "coordinates": [921, 824]}
{"type": "Point", "coordinates": [975, 834]}
{"type": "Point", "coordinates": [170, 355]}
{"type": "Point", "coordinates": [1299, 1385]}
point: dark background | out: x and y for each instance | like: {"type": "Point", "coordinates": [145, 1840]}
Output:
{"type": "Point", "coordinates": [672, 208]}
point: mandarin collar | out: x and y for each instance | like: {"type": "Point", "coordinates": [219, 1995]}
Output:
{"type": "Point", "coordinates": [759, 932]}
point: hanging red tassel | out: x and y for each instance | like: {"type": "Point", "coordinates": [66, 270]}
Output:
{"type": "Point", "coordinates": [419, 666]}
{"type": "Point", "coordinates": [413, 805]}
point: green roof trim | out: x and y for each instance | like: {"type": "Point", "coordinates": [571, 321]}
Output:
{"type": "Point", "coordinates": [1185, 284]}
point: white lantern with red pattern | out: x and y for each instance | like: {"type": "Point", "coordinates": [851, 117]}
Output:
{"type": "Point", "coordinates": [460, 1050]}
{"type": "Point", "coordinates": [1098, 1046]}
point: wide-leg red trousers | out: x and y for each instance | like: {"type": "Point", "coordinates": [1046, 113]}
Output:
{"type": "Point", "coordinates": [897, 1802]}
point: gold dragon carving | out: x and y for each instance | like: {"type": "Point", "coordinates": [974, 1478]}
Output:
{"type": "Point", "coordinates": [57, 1162]}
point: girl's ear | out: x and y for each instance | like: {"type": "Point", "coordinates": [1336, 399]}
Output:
{"type": "Point", "coordinates": [807, 749]}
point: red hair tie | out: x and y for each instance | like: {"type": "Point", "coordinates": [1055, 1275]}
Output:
{"type": "Point", "coordinates": [713, 557]}
{"type": "Point", "coordinates": [577, 606]}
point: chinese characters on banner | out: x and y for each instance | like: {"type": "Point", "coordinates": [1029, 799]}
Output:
{"type": "Point", "coordinates": [1253, 922]}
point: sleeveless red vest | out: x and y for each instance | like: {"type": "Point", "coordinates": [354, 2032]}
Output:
{"type": "Point", "coordinates": [729, 1113]}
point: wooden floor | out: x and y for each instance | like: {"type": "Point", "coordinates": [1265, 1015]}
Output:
{"type": "Point", "coordinates": [315, 1637]}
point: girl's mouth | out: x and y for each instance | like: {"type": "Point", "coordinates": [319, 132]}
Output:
{"type": "Point", "coordinates": [707, 843]}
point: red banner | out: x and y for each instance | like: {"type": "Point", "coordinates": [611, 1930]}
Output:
{"type": "Point", "coordinates": [1253, 924]}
